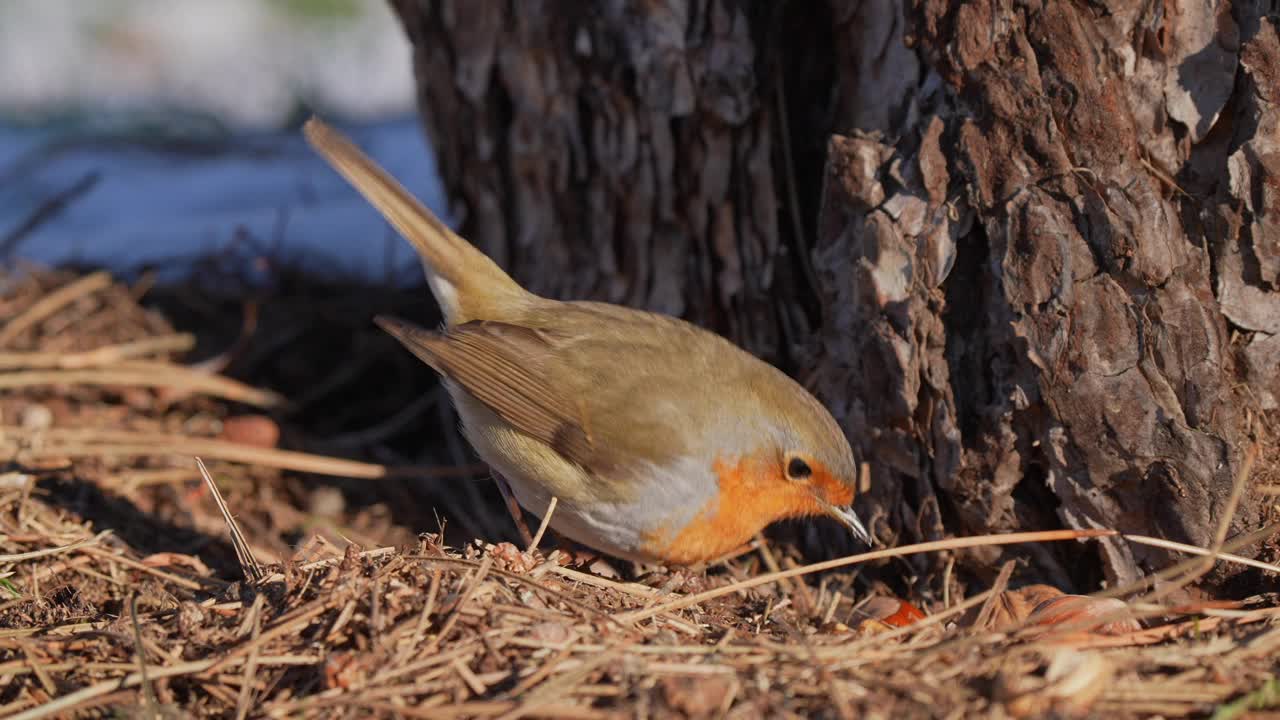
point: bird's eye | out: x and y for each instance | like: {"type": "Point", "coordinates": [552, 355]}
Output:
{"type": "Point", "coordinates": [798, 469]}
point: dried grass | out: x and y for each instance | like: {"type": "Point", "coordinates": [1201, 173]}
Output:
{"type": "Point", "coordinates": [132, 595]}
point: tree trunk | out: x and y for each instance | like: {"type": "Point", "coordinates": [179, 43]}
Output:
{"type": "Point", "coordinates": [1026, 251]}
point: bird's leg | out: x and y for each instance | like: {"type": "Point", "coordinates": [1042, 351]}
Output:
{"type": "Point", "coordinates": [577, 553]}
{"type": "Point", "coordinates": [513, 507]}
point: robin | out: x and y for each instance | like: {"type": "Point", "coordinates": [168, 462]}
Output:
{"type": "Point", "coordinates": [661, 441]}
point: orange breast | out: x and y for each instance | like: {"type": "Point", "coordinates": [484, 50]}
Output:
{"type": "Point", "coordinates": [753, 492]}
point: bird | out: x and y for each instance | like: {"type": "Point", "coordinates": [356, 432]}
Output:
{"type": "Point", "coordinates": [660, 441]}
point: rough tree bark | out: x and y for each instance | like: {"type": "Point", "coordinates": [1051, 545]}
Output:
{"type": "Point", "coordinates": [1026, 251]}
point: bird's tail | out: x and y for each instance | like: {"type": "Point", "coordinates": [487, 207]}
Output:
{"type": "Point", "coordinates": [467, 284]}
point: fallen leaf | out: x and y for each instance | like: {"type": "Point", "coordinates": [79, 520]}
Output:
{"type": "Point", "coordinates": [1072, 609]}
{"type": "Point", "coordinates": [1012, 607]}
{"type": "Point", "coordinates": [1071, 684]}
{"type": "Point", "coordinates": [881, 613]}
{"type": "Point", "coordinates": [256, 430]}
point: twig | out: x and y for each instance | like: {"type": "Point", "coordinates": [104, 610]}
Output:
{"type": "Point", "coordinates": [473, 683]}
{"type": "Point", "coordinates": [327, 562]}
{"type": "Point", "coordinates": [18, 557]}
{"type": "Point", "coordinates": [147, 374]}
{"type": "Point", "coordinates": [148, 693]}
{"type": "Point", "coordinates": [146, 477]}
{"type": "Point", "coordinates": [106, 355]}
{"type": "Point", "coordinates": [997, 592]}
{"type": "Point", "coordinates": [542, 673]}
{"type": "Point", "coordinates": [317, 564]}
{"type": "Point", "coordinates": [52, 303]}
{"type": "Point", "coordinates": [476, 581]}
{"type": "Point", "coordinates": [1128, 612]}
{"type": "Point", "coordinates": [188, 583]}
{"type": "Point", "coordinates": [462, 648]}
{"type": "Point", "coordinates": [473, 709]}
{"type": "Point", "coordinates": [70, 700]}
{"type": "Point", "coordinates": [294, 621]}
{"type": "Point", "coordinates": [794, 587]}
{"type": "Point", "coordinates": [946, 581]}
{"type": "Point", "coordinates": [424, 619]}
{"type": "Point", "coordinates": [1220, 535]}
{"type": "Point", "coordinates": [916, 549]}
{"type": "Point", "coordinates": [538, 696]}
{"type": "Point", "coordinates": [94, 442]}
{"type": "Point", "coordinates": [1196, 567]}
{"type": "Point", "coordinates": [542, 526]}
{"type": "Point", "coordinates": [244, 554]}
{"type": "Point", "coordinates": [1176, 569]}
{"type": "Point", "coordinates": [1195, 550]}
{"type": "Point", "coordinates": [251, 663]}
{"type": "Point", "coordinates": [603, 583]}
{"type": "Point", "coordinates": [40, 671]}
{"type": "Point", "coordinates": [522, 580]}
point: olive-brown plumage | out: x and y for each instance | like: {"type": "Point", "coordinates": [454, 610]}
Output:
{"type": "Point", "coordinates": [660, 440]}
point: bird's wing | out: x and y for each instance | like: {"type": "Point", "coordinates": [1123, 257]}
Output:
{"type": "Point", "coordinates": [505, 367]}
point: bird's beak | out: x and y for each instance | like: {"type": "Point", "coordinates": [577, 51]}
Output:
{"type": "Point", "coordinates": [847, 518]}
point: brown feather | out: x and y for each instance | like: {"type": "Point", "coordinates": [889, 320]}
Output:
{"type": "Point", "coordinates": [503, 366]}
{"type": "Point", "coordinates": [480, 289]}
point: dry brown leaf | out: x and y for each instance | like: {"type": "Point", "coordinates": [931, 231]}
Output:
{"type": "Point", "coordinates": [256, 430]}
{"type": "Point", "coordinates": [1072, 609]}
{"type": "Point", "coordinates": [1071, 684]}
{"type": "Point", "coordinates": [1012, 607]}
{"type": "Point", "coordinates": [881, 613]}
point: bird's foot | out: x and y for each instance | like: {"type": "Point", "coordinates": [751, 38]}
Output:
{"type": "Point", "coordinates": [513, 507]}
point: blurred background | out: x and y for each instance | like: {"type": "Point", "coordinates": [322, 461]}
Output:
{"type": "Point", "coordinates": [160, 140]}
{"type": "Point", "coordinates": [138, 133]}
